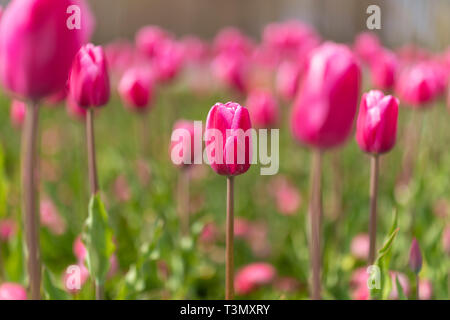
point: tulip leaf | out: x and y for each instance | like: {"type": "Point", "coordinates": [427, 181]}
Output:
{"type": "Point", "coordinates": [51, 292]}
{"type": "Point", "coordinates": [98, 238]}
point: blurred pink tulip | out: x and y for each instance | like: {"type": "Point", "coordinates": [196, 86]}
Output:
{"type": "Point", "coordinates": [79, 250]}
{"type": "Point", "coordinates": [37, 47]}
{"type": "Point", "coordinates": [17, 113]}
{"type": "Point", "coordinates": [168, 61]}
{"type": "Point", "coordinates": [185, 143]}
{"type": "Point", "coordinates": [89, 79]}
{"type": "Point", "coordinates": [263, 108]}
{"type": "Point", "coordinates": [252, 276]}
{"type": "Point", "coordinates": [415, 257]}
{"type": "Point", "coordinates": [383, 69]}
{"type": "Point", "coordinates": [12, 291]}
{"type": "Point", "coordinates": [75, 275]}
{"type": "Point", "coordinates": [287, 196]}
{"type": "Point", "coordinates": [232, 70]}
{"type": "Point", "coordinates": [425, 289]}
{"type": "Point", "coordinates": [376, 127]}
{"type": "Point", "coordinates": [367, 46]}
{"type": "Point", "coordinates": [404, 282]}
{"type": "Point", "coordinates": [136, 89]}
{"type": "Point", "coordinates": [325, 109]}
{"type": "Point", "coordinates": [241, 228]}
{"type": "Point", "coordinates": [230, 40]}
{"type": "Point", "coordinates": [229, 154]}
{"type": "Point", "coordinates": [359, 246]}
{"type": "Point", "coordinates": [8, 229]}
{"type": "Point", "coordinates": [195, 50]}
{"type": "Point", "coordinates": [51, 218]}
{"type": "Point", "coordinates": [288, 80]}
{"type": "Point", "coordinates": [361, 293]}
{"type": "Point", "coordinates": [209, 233]}
{"type": "Point", "coordinates": [149, 40]}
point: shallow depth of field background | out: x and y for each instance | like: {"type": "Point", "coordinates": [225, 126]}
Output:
{"type": "Point", "coordinates": [138, 182]}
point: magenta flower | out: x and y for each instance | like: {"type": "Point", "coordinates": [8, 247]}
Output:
{"type": "Point", "coordinates": [17, 113]}
{"type": "Point", "coordinates": [415, 257]}
{"type": "Point", "coordinates": [227, 139]}
{"type": "Point", "coordinates": [231, 69]}
{"type": "Point", "coordinates": [79, 250]}
{"type": "Point", "coordinates": [149, 40]}
{"type": "Point", "coordinates": [37, 47]}
{"type": "Point", "coordinates": [253, 276]}
{"type": "Point", "coordinates": [359, 246]}
{"type": "Point", "coordinates": [325, 109]}
{"type": "Point", "coordinates": [12, 291]}
{"type": "Point", "coordinates": [376, 128]}
{"type": "Point", "coordinates": [168, 61]}
{"type": "Point", "coordinates": [383, 68]}
{"type": "Point", "coordinates": [136, 89]}
{"type": "Point", "coordinates": [263, 107]}
{"type": "Point", "coordinates": [74, 110]}
{"type": "Point", "coordinates": [288, 80]}
{"type": "Point", "coordinates": [89, 79]}
{"type": "Point", "coordinates": [70, 278]}
{"type": "Point", "coordinates": [184, 146]}
{"type": "Point", "coordinates": [231, 40]}
{"type": "Point", "coordinates": [367, 46]}
{"type": "Point", "coordinates": [8, 229]}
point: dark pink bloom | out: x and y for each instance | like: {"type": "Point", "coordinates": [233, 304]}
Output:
{"type": "Point", "coordinates": [232, 70]}
{"type": "Point", "coordinates": [56, 98]}
{"type": "Point", "coordinates": [195, 50]}
{"type": "Point", "coordinates": [79, 250]}
{"type": "Point", "coordinates": [51, 218]}
{"type": "Point", "coordinates": [136, 89]}
{"type": "Point", "coordinates": [17, 113]}
{"type": "Point", "coordinates": [366, 46]}
{"type": "Point", "coordinates": [359, 246]}
{"type": "Point", "coordinates": [383, 69]}
{"type": "Point", "coordinates": [168, 61]}
{"type": "Point", "coordinates": [120, 55]}
{"type": "Point", "coordinates": [288, 79]}
{"type": "Point", "coordinates": [415, 257]}
{"type": "Point", "coordinates": [37, 47]}
{"type": "Point", "coordinates": [7, 229]}
{"type": "Point", "coordinates": [231, 40]}
{"type": "Point", "coordinates": [209, 233]}
{"type": "Point", "coordinates": [325, 109]}
{"type": "Point", "coordinates": [150, 39]}
{"type": "Point", "coordinates": [228, 139]}
{"type": "Point", "coordinates": [376, 128]}
{"type": "Point", "coordinates": [263, 108]}
{"type": "Point", "coordinates": [253, 276]}
{"type": "Point", "coordinates": [182, 150]}
{"type": "Point", "coordinates": [12, 291]}
{"type": "Point", "coordinates": [89, 79]}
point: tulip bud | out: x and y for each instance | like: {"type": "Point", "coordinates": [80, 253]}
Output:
{"type": "Point", "coordinates": [415, 257]}
{"type": "Point", "coordinates": [135, 89]}
{"type": "Point", "coordinates": [383, 69]}
{"type": "Point", "coordinates": [376, 128]}
{"type": "Point", "coordinates": [185, 144]}
{"type": "Point", "coordinates": [263, 107]}
{"type": "Point", "coordinates": [89, 80]}
{"type": "Point", "coordinates": [168, 61]}
{"type": "Point", "coordinates": [231, 69]}
{"type": "Point", "coordinates": [149, 40]}
{"type": "Point", "coordinates": [323, 114]}
{"type": "Point", "coordinates": [12, 291]}
{"type": "Point", "coordinates": [17, 114]}
{"type": "Point", "coordinates": [228, 139]}
{"type": "Point", "coordinates": [367, 45]}
{"type": "Point", "coordinates": [253, 276]}
{"type": "Point", "coordinates": [231, 40]}
{"type": "Point", "coordinates": [37, 47]}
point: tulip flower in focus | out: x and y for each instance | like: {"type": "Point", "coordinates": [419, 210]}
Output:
{"type": "Point", "coordinates": [253, 276]}
{"type": "Point", "coordinates": [263, 108]}
{"type": "Point", "coordinates": [322, 118]}
{"type": "Point", "coordinates": [376, 128]}
{"type": "Point", "coordinates": [12, 291]}
{"type": "Point", "coordinates": [136, 89]}
{"type": "Point", "coordinates": [17, 113]}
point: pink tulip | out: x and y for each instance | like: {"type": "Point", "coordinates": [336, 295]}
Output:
{"type": "Point", "coordinates": [253, 276]}
{"type": "Point", "coordinates": [51, 218]}
{"type": "Point", "coordinates": [367, 46]}
{"type": "Point", "coordinates": [359, 246]}
{"type": "Point", "coordinates": [168, 61]}
{"type": "Point", "coordinates": [376, 128]}
{"type": "Point", "coordinates": [89, 80]}
{"type": "Point", "coordinates": [149, 40]}
{"type": "Point", "coordinates": [425, 289]}
{"type": "Point", "coordinates": [136, 89]}
{"type": "Point", "coordinates": [209, 233]}
{"type": "Point", "coordinates": [420, 84]}
{"type": "Point", "coordinates": [325, 109]}
{"type": "Point", "coordinates": [241, 228]}
{"type": "Point", "coordinates": [185, 143]}
{"type": "Point", "coordinates": [8, 229]}
{"type": "Point", "coordinates": [17, 113]}
{"type": "Point", "coordinates": [383, 68]}
{"type": "Point", "coordinates": [231, 40]}
{"type": "Point", "coordinates": [37, 47]}
{"type": "Point", "coordinates": [195, 50]}
{"type": "Point", "coordinates": [287, 196]}
{"type": "Point", "coordinates": [288, 80]}
{"type": "Point", "coordinates": [263, 108]}
{"type": "Point", "coordinates": [361, 293]}
{"type": "Point", "coordinates": [227, 126]}
{"type": "Point", "coordinates": [232, 70]}
{"type": "Point", "coordinates": [79, 250]}
{"type": "Point", "coordinates": [74, 110]}
{"type": "Point", "coordinates": [70, 279]}
{"type": "Point", "coordinates": [12, 291]}
{"type": "Point", "coordinates": [404, 282]}
{"type": "Point", "coordinates": [446, 240]}
{"type": "Point", "coordinates": [415, 257]}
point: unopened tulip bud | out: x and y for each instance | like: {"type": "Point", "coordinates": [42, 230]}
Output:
{"type": "Point", "coordinates": [376, 128]}
{"type": "Point", "coordinates": [415, 257]}
{"type": "Point", "coordinates": [89, 80]}
{"type": "Point", "coordinates": [135, 89]}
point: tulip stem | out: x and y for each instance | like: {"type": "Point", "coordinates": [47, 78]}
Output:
{"type": "Point", "coordinates": [29, 205]}
{"type": "Point", "coordinates": [315, 213]}
{"type": "Point", "coordinates": [374, 172]}
{"type": "Point", "coordinates": [229, 254]}
{"type": "Point", "coordinates": [183, 200]}
{"type": "Point", "coordinates": [417, 287]}
{"type": "Point", "coordinates": [92, 168]}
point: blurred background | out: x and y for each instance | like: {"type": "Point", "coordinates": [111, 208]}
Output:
{"type": "Point", "coordinates": [403, 21]}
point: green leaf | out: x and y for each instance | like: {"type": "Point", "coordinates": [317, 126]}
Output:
{"type": "Point", "coordinates": [98, 238]}
{"type": "Point", "coordinates": [401, 293]}
{"type": "Point", "coordinates": [51, 292]}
